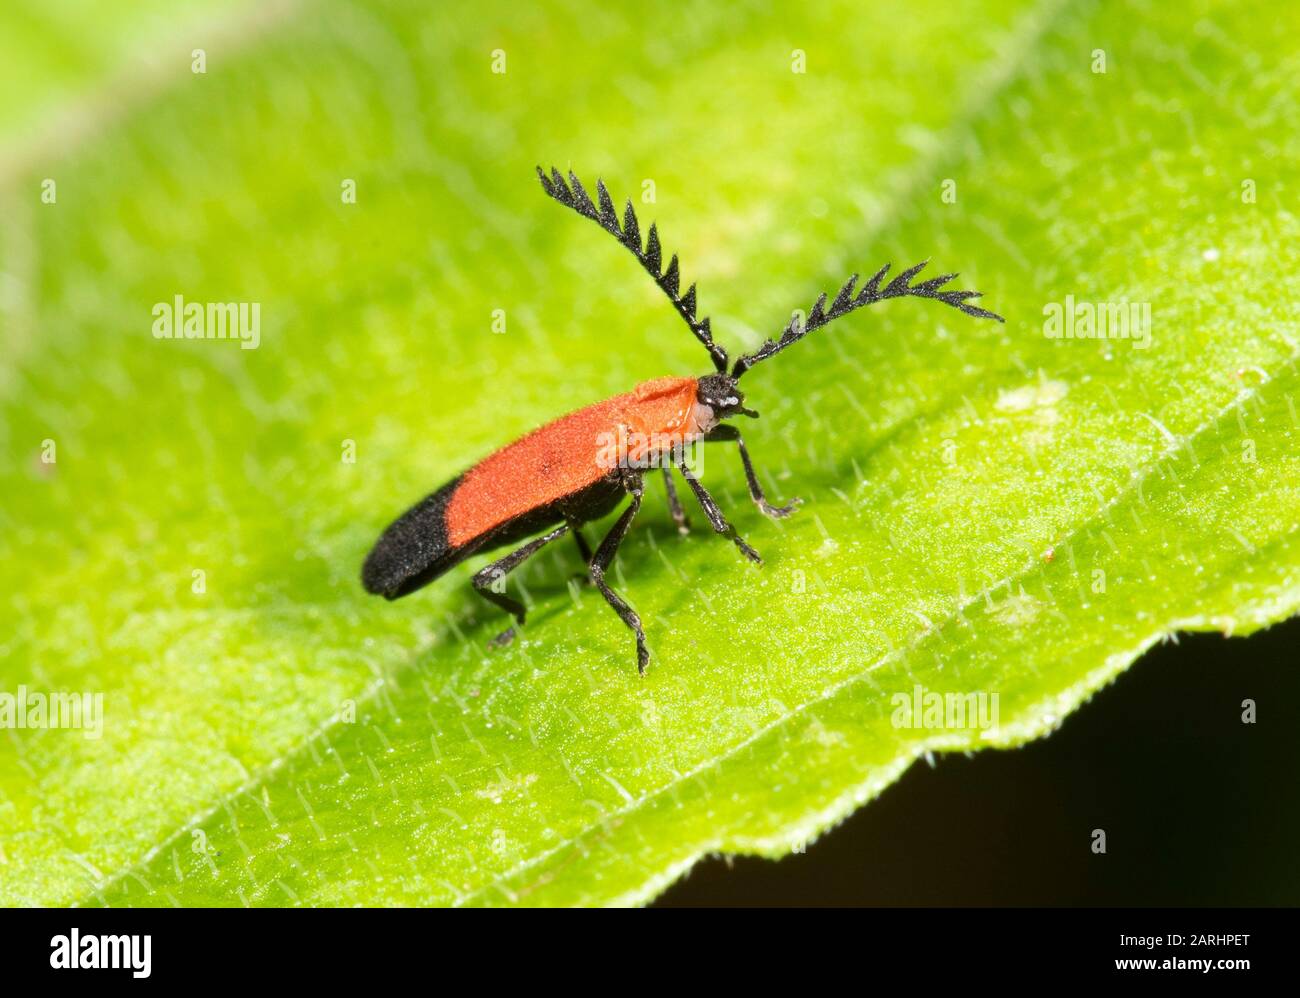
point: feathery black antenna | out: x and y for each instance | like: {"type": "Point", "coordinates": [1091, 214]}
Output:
{"type": "Point", "coordinates": [871, 292]}
{"type": "Point", "coordinates": [575, 196]}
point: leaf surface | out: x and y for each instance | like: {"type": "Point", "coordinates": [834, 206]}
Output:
{"type": "Point", "coordinates": [988, 509]}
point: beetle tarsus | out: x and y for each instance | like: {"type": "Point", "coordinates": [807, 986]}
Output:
{"type": "Point", "coordinates": [642, 654]}
{"type": "Point", "coordinates": [778, 512]}
{"type": "Point", "coordinates": [727, 432]}
{"type": "Point", "coordinates": [714, 514]}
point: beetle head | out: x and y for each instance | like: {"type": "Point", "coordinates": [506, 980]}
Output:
{"type": "Point", "coordinates": [719, 393]}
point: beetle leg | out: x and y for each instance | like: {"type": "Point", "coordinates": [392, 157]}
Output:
{"type": "Point", "coordinates": [584, 551]}
{"type": "Point", "coordinates": [495, 573]}
{"type": "Point", "coordinates": [584, 548]}
{"type": "Point", "coordinates": [726, 432]}
{"type": "Point", "coordinates": [715, 516]}
{"type": "Point", "coordinates": [675, 504]}
{"type": "Point", "coordinates": [600, 563]}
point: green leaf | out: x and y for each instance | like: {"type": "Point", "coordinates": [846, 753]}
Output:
{"type": "Point", "coordinates": [988, 510]}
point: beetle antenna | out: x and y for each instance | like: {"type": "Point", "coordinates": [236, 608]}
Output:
{"type": "Point", "coordinates": [574, 195]}
{"type": "Point", "coordinates": [871, 292]}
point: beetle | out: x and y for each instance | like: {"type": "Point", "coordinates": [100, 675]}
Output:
{"type": "Point", "coordinates": [567, 473]}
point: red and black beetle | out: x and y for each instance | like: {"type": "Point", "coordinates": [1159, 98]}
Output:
{"type": "Point", "coordinates": [561, 475]}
